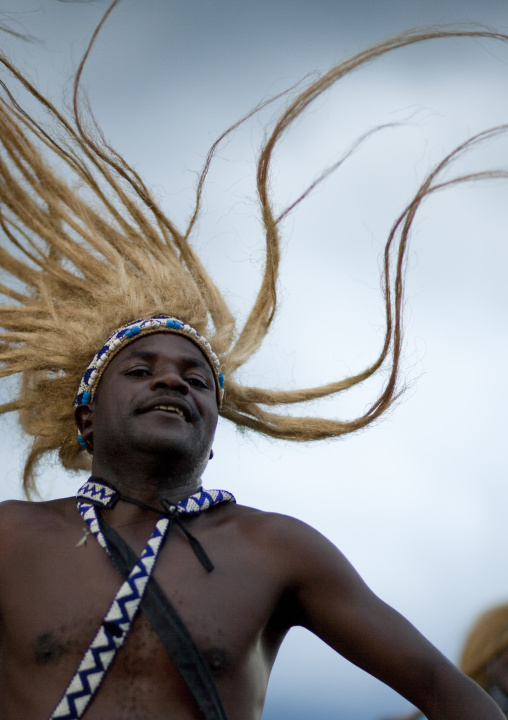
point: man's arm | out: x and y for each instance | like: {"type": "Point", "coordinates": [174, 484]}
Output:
{"type": "Point", "coordinates": [335, 604]}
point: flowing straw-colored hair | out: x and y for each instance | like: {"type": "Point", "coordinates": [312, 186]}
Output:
{"type": "Point", "coordinates": [486, 639]}
{"type": "Point", "coordinates": [87, 248]}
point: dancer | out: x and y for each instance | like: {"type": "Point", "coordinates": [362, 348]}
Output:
{"type": "Point", "coordinates": [148, 596]}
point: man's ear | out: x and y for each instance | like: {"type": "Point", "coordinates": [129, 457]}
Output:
{"type": "Point", "coordinates": [83, 415]}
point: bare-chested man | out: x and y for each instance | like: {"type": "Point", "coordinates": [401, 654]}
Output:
{"type": "Point", "coordinates": [151, 425]}
{"type": "Point", "coordinates": [104, 313]}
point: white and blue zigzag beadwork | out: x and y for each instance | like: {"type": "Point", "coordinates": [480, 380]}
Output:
{"type": "Point", "coordinates": [118, 620]}
{"type": "Point", "coordinates": [115, 626]}
{"type": "Point", "coordinates": [101, 493]}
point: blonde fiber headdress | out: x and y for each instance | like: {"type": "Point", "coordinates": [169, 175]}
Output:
{"type": "Point", "coordinates": [486, 639]}
{"type": "Point", "coordinates": [87, 249]}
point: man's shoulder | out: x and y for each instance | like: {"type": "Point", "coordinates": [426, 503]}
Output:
{"type": "Point", "coordinates": [270, 518]}
{"type": "Point", "coordinates": [276, 529]}
{"type": "Point", "coordinates": [248, 515]}
{"type": "Point", "coordinates": [32, 507]}
{"type": "Point", "coordinates": [26, 516]}
{"type": "Point", "coordinates": [283, 545]}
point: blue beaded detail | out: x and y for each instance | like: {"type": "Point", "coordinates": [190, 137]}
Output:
{"type": "Point", "coordinates": [131, 332]}
{"type": "Point", "coordinates": [97, 493]}
{"type": "Point", "coordinates": [199, 502]}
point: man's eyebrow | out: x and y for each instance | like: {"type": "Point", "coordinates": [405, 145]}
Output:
{"type": "Point", "coordinates": [142, 354]}
{"type": "Point", "coordinates": [187, 360]}
{"type": "Point", "coordinates": [196, 362]}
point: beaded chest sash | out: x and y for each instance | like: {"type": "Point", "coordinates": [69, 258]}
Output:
{"type": "Point", "coordinates": [120, 615]}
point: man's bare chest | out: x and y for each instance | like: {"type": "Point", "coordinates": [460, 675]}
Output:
{"type": "Point", "coordinates": [63, 590]}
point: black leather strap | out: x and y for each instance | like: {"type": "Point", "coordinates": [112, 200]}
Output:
{"type": "Point", "coordinates": [171, 630]}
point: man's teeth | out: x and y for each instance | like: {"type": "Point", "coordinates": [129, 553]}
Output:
{"type": "Point", "coordinates": [170, 408]}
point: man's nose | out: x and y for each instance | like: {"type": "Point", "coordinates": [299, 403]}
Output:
{"type": "Point", "coordinates": [169, 378]}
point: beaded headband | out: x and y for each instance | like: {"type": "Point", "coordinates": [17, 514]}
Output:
{"type": "Point", "coordinates": [132, 331]}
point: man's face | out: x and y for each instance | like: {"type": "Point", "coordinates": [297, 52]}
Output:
{"type": "Point", "coordinates": [156, 396]}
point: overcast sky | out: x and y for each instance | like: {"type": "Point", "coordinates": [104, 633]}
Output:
{"type": "Point", "coordinates": [417, 503]}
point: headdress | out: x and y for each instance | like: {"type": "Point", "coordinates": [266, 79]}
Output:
{"type": "Point", "coordinates": [486, 639]}
{"type": "Point", "coordinates": [90, 251]}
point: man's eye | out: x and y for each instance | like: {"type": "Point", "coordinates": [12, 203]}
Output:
{"type": "Point", "coordinates": [138, 372]}
{"type": "Point", "coordinates": [197, 382]}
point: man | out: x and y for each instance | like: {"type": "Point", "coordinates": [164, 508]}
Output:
{"type": "Point", "coordinates": [148, 598]}
{"type": "Point", "coordinates": [151, 425]}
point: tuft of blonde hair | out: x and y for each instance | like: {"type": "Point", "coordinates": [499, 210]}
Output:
{"type": "Point", "coordinates": [486, 639]}
{"type": "Point", "coordinates": [87, 249]}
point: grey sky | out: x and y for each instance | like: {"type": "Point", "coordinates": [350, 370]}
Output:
{"type": "Point", "coordinates": [418, 502]}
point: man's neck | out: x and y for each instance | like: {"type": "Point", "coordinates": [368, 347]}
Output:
{"type": "Point", "coordinates": [149, 483]}
{"type": "Point", "coordinates": [143, 490]}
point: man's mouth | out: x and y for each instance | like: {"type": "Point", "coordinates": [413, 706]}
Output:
{"type": "Point", "coordinates": [170, 409]}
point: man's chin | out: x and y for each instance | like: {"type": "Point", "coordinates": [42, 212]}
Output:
{"type": "Point", "coordinates": [162, 446]}
{"type": "Point", "coordinates": [173, 450]}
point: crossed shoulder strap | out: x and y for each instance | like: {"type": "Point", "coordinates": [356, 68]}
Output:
{"type": "Point", "coordinates": [140, 589]}
{"type": "Point", "coordinates": [171, 630]}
